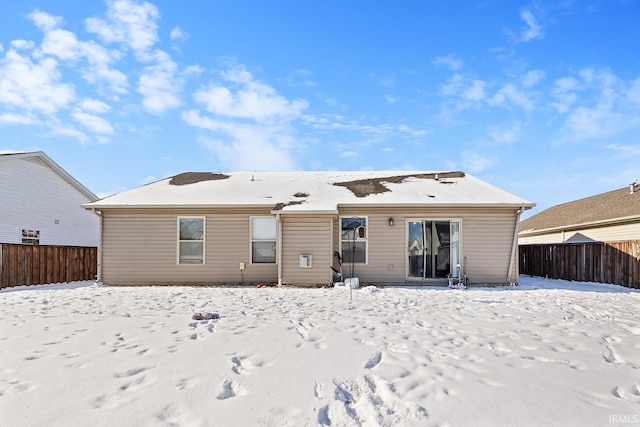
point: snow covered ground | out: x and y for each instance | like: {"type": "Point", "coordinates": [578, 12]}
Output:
{"type": "Point", "coordinates": [543, 354]}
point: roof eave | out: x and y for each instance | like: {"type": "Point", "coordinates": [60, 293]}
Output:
{"type": "Point", "coordinates": [57, 169]}
{"type": "Point", "coordinates": [571, 227]}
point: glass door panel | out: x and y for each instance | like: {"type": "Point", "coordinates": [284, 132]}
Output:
{"type": "Point", "coordinates": [416, 249]}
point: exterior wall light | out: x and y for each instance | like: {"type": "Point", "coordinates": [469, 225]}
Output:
{"type": "Point", "coordinates": [390, 222]}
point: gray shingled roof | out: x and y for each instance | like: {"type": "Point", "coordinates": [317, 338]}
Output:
{"type": "Point", "coordinates": [610, 206]}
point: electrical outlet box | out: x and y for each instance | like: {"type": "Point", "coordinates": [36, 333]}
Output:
{"type": "Point", "coordinates": [306, 261]}
{"type": "Point", "coordinates": [242, 265]}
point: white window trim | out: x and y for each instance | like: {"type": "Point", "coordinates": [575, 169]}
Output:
{"type": "Point", "coordinates": [251, 240]}
{"type": "Point", "coordinates": [204, 238]}
{"type": "Point", "coordinates": [365, 239]}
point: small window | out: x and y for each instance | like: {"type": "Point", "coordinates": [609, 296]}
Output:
{"type": "Point", "coordinates": [30, 237]}
{"type": "Point", "coordinates": [353, 235]}
{"type": "Point", "coordinates": [263, 240]}
{"type": "Point", "coordinates": [191, 234]}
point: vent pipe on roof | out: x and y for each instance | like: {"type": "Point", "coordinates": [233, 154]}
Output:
{"type": "Point", "coordinates": [632, 186]}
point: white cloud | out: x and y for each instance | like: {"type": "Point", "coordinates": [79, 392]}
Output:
{"type": "Point", "coordinates": [18, 119]}
{"type": "Point", "coordinates": [65, 46]}
{"type": "Point", "coordinates": [475, 162]}
{"type": "Point", "coordinates": [92, 122]}
{"type": "Point", "coordinates": [94, 106]}
{"type": "Point", "coordinates": [390, 99]}
{"type": "Point", "coordinates": [44, 21]}
{"type": "Point", "coordinates": [336, 122]}
{"type": "Point", "coordinates": [32, 86]}
{"type": "Point", "coordinates": [248, 99]}
{"type": "Point", "coordinates": [449, 61]}
{"type": "Point", "coordinates": [510, 94]}
{"type": "Point", "coordinates": [69, 132]}
{"type": "Point", "coordinates": [159, 86]}
{"type": "Point", "coordinates": [507, 134]}
{"type": "Point", "coordinates": [532, 30]}
{"type": "Point", "coordinates": [193, 70]}
{"type": "Point", "coordinates": [633, 93]}
{"type": "Point", "coordinates": [597, 104]}
{"type": "Point", "coordinates": [177, 34]}
{"type": "Point", "coordinates": [128, 22]}
{"type": "Point", "coordinates": [349, 154]}
{"type": "Point", "coordinates": [468, 91]}
{"type": "Point", "coordinates": [564, 93]}
{"type": "Point", "coordinates": [386, 81]}
{"type": "Point", "coordinates": [245, 147]}
{"type": "Point", "coordinates": [250, 122]}
{"type": "Point", "coordinates": [22, 44]}
{"type": "Point", "coordinates": [532, 78]}
{"type": "Point", "coordinates": [476, 92]}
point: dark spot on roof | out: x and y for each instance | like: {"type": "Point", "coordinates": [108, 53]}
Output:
{"type": "Point", "coordinates": [195, 177]}
{"type": "Point", "coordinates": [367, 187]}
{"type": "Point", "coordinates": [280, 206]}
{"type": "Point", "coordinates": [301, 195]}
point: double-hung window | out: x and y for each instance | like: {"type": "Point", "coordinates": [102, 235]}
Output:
{"type": "Point", "coordinates": [30, 237]}
{"type": "Point", "coordinates": [353, 239]}
{"type": "Point", "coordinates": [191, 232]}
{"type": "Point", "coordinates": [263, 240]}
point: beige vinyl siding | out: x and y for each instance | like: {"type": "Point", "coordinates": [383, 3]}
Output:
{"type": "Point", "coordinates": [486, 242]}
{"type": "Point", "coordinates": [612, 233]}
{"type": "Point", "coordinates": [306, 235]}
{"type": "Point", "coordinates": [140, 247]}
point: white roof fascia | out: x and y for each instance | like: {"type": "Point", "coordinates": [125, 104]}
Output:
{"type": "Point", "coordinates": [9, 155]}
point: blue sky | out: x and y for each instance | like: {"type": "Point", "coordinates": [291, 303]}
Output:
{"type": "Point", "coordinates": [539, 98]}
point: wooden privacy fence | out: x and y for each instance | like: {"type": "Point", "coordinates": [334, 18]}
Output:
{"type": "Point", "coordinates": [614, 262]}
{"type": "Point", "coordinates": [35, 265]}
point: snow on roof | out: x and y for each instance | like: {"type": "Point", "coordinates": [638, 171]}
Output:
{"type": "Point", "coordinates": [304, 192]}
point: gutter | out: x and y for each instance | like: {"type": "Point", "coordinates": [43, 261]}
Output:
{"type": "Point", "coordinates": [514, 248]}
{"type": "Point", "coordinates": [99, 275]}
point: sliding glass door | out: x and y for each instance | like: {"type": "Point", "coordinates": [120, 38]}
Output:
{"type": "Point", "coordinates": [433, 248]}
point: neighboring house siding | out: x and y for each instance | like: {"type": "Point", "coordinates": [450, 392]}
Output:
{"type": "Point", "coordinates": [34, 197]}
{"type": "Point", "coordinates": [306, 235]}
{"type": "Point", "coordinates": [614, 233]}
{"type": "Point", "coordinates": [140, 247]}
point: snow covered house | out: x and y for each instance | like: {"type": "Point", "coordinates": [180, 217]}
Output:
{"type": "Point", "coordinates": [288, 227]}
{"type": "Point", "coordinates": [40, 203]}
{"type": "Point", "coordinates": [607, 217]}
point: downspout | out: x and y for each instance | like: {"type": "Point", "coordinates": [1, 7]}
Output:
{"type": "Point", "coordinates": [279, 248]}
{"type": "Point", "coordinates": [514, 248]}
{"type": "Point", "coordinates": [99, 275]}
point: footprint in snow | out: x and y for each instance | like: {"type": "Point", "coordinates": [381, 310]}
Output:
{"type": "Point", "coordinates": [231, 389]}
{"type": "Point", "coordinates": [611, 356]}
{"type": "Point", "coordinates": [373, 361]}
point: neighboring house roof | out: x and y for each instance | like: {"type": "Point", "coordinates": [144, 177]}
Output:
{"type": "Point", "coordinates": [306, 192]}
{"type": "Point", "coordinates": [46, 160]}
{"type": "Point", "coordinates": [621, 205]}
